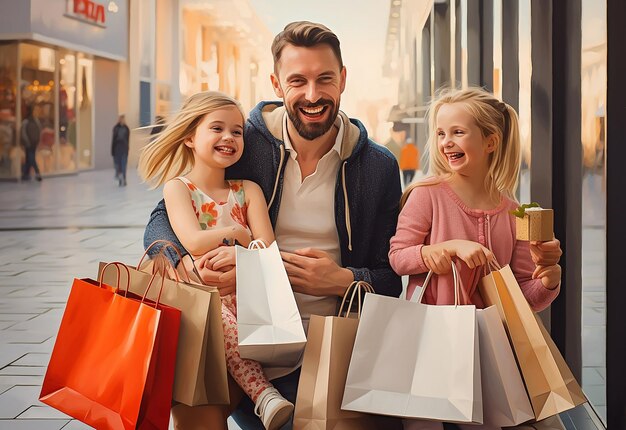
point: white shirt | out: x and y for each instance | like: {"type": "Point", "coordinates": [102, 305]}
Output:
{"type": "Point", "coordinates": [307, 215]}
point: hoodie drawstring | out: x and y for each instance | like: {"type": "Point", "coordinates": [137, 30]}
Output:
{"type": "Point", "coordinates": [280, 165]}
{"type": "Point", "coordinates": [346, 205]}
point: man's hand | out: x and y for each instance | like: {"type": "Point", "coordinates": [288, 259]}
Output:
{"type": "Point", "coordinates": [546, 253]}
{"type": "Point", "coordinates": [312, 271]}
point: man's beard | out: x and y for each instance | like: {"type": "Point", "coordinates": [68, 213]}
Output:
{"type": "Point", "coordinates": [312, 130]}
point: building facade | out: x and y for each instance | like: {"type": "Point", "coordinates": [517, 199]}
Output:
{"type": "Point", "coordinates": [60, 59]}
{"type": "Point", "coordinates": [78, 64]}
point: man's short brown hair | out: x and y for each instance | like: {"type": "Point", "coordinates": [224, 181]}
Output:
{"type": "Point", "coordinates": [305, 34]}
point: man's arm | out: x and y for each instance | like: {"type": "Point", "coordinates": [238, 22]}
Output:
{"type": "Point", "coordinates": [378, 272]}
{"type": "Point", "coordinates": [159, 228]}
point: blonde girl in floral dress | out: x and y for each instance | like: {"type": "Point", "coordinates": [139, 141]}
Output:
{"type": "Point", "coordinates": [206, 212]}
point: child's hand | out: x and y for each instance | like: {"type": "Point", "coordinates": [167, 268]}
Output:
{"type": "Point", "coordinates": [437, 259]}
{"type": "Point", "coordinates": [550, 275]}
{"type": "Point", "coordinates": [220, 259]}
{"type": "Point", "coordinates": [546, 253]}
{"type": "Point", "coordinates": [472, 253]}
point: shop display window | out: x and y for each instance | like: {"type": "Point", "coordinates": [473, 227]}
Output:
{"type": "Point", "coordinates": [11, 153]}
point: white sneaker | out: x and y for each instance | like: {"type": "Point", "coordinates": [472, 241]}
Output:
{"type": "Point", "coordinates": [273, 409]}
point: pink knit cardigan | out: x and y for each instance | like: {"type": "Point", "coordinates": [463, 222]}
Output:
{"type": "Point", "coordinates": [435, 214]}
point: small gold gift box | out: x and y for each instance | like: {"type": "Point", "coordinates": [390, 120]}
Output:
{"type": "Point", "coordinates": [537, 225]}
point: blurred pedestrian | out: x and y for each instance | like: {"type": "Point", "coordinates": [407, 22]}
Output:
{"type": "Point", "coordinates": [409, 161]}
{"type": "Point", "coordinates": [29, 136]}
{"type": "Point", "coordinates": [393, 144]}
{"type": "Point", "coordinates": [119, 149]}
{"type": "Point", "coordinates": [159, 125]}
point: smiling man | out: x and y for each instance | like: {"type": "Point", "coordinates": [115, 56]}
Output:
{"type": "Point", "coordinates": [332, 193]}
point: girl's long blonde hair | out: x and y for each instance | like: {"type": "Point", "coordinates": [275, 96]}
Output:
{"type": "Point", "coordinates": [168, 156]}
{"type": "Point", "coordinates": [493, 117]}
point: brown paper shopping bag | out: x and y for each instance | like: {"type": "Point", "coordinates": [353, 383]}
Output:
{"type": "Point", "coordinates": [414, 360]}
{"type": "Point", "coordinates": [201, 375]}
{"type": "Point", "coordinates": [551, 387]}
{"type": "Point", "coordinates": [324, 369]}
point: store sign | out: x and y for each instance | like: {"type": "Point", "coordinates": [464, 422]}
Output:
{"type": "Point", "coordinates": [87, 11]}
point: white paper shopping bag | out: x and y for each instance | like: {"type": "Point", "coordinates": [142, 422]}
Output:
{"type": "Point", "coordinates": [268, 320]}
{"type": "Point", "coordinates": [416, 361]}
{"type": "Point", "coordinates": [505, 400]}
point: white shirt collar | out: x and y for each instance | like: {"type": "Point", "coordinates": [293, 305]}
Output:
{"type": "Point", "coordinates": [336, 147]}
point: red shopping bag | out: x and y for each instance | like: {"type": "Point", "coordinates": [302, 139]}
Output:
{"type": "Point", "coordinates": [112, 365]}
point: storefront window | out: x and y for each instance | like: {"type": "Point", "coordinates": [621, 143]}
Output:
{"type": "Point", "coordinates": [84, 102]}
{"type": "Point", "coordinates": [67, 112]}
{"type": "Point", "coordinates": [37, 89]}
{"type": "Point", "coordinates": [525, 71]}
{"type": "Point", "coordinates": [11, 153]}
{"type": "Point", "coordinates": [593, 118]}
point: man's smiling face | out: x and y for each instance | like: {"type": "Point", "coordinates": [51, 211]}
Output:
{"type": "Point", "coordinates": [310, 82]}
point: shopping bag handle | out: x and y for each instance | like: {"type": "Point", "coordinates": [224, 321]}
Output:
{"type": "Point", "coordinates": [360, 286]}
{"type": "Point", "coordinates": [491, 266]}
{"type": "Point", "coordinates": [163, 269]}
{"type": "Point", "coordinates": [257, 244]}
{"type": "Point", "coordinates": [166, 244]}
{"type": "Point", "coordinates": [117, 265]}
{"type": "Point", "coordinates": [455, 276]}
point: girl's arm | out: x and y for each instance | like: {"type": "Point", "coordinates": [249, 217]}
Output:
{"type": "Point", "coordinates": [409, 255]}
{"type": "Point", "coordinates": [414, 224]}
{"type": "Point", "coordinates": [260, 225]}
{"type": "Point", "coordinates": [538, 295]}
{"type": "Point", "coordinates": [185, 223]}
{"type": "Point", "coordinates": [258, 217]}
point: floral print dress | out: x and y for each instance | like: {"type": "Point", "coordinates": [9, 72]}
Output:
{"type": "Point", "coordinates": [211, 214]}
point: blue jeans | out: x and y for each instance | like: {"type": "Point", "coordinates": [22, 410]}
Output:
{"type": "Point", "coordinates": [120, 160]}
{"type": "Point", "coordinates": [244, 415]}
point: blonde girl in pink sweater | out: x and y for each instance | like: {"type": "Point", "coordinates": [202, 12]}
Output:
{"type": "Point", "coordinates": [460, 214]}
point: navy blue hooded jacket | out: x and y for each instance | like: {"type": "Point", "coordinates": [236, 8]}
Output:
{"type": "Point", "coordinates": [367, 193]}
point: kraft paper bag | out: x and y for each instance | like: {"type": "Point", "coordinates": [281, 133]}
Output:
{"type": "Point", "coordinates": [505, 401]}
{"type": "Point", "coordinates": [414, 360]}
{"type": "Point", "coordinates": [549, 382]}
{"type": "Point", "coordinates": [201, 375]}
{"type": "Point", "coordinates": [324, 370]}
{"type": "Point", "coordinates": [268, 319]}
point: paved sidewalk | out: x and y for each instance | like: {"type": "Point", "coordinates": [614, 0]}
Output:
{"type": "Point", "coordinates": [50, 233]}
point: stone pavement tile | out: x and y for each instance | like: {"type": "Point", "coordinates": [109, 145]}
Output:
{"type": "Point", "coordinates": [23, 370]}
{"type": "Point", "coordinates": [596, 394]}
{"type": "Point", "coordinates": [591, 376]}
{"type": "Point", "coordinates": [33, 337]}
{"type": "Point", "coordinates": [76, 425]}
{"type": "Point", "coordinates": [33, 424]}
{"type": "Point", "coordinates": [14, 317]}
{"type": "Point", "coordinates": [20, 381]}
{"type": "Point", "coordinates": [50, 319]}
{"type": "Point", "coordinates": [32, 359]}
{"type": "Point", "coordinates": [594, 350]}
{"type": "Point", "coordinates": [43, 412]}
{"type": "Point", "coordinates": [17, 399]}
